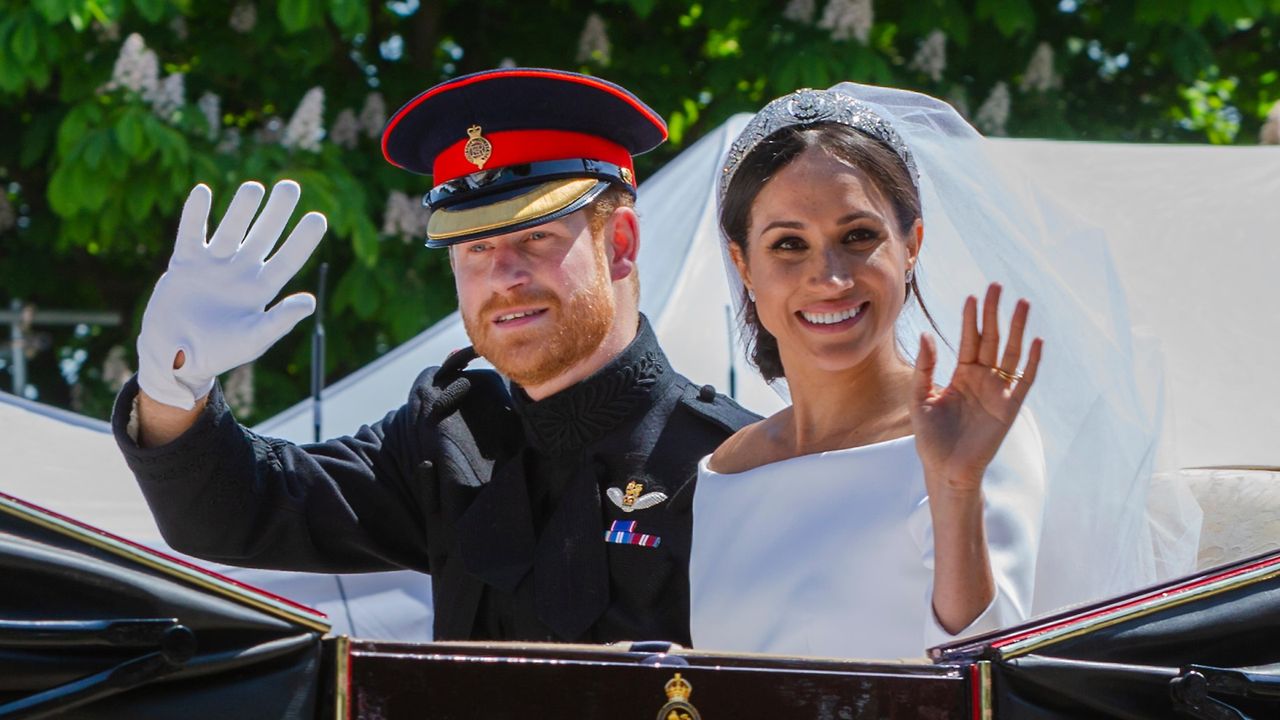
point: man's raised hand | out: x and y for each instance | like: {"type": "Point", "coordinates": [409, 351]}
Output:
{"type": "Point", "coordinates": [211, 304]}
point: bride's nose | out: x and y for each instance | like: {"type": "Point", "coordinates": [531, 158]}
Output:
{"type": "Point", "coordinates": [831, 270]}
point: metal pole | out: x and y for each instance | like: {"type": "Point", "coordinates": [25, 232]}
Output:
{"type": "Point", "coordinates": [18, 371]}
{"type": "Point", "coordinates": [317, 355]}
{"type": "Point", "coordinates": [733, 373]}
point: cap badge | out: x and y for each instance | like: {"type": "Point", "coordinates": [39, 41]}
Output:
{"type": "Point", "coordinates": [632, 500]}
{"type": "Point", "coordinates": [678, 708]}
{"type": "Point", "coordinates": [478, 149]}
{"type": "Point", "coordinates": [627, 177]}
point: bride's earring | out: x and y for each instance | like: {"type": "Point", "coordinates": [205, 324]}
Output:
{"type": "Point", "coordinates": [910, 275]}
{"type": "Point", "coordinates": [751, 295]}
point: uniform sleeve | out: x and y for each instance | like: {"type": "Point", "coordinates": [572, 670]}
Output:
{"type": "Point", "coordinates": [223, 493]}
{"type": "Point", "coordinates": [1013, 491]}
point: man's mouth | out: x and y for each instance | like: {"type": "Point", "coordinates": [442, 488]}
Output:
{"type": "Point", "coordinates": [847, 316]}
{"type": "Point", "coordinates": [517, 315]}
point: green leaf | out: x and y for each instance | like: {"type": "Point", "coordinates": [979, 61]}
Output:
{"type": "Point", "coordinates": [54, 11]}
{"type": "Point", "coordinates": [26, 39]}
{"type": "Point", "coordinates": [75, 126]}
{"type": "Point", "coordinates": [61, 194]}
{"type": "Point", "coordinates": [152, 10]}
{"type": "Point", "coordinates": [131, 134]}
{"type": "Point", "coordinates": [350, 16]}
{"type": "Point", "coordinates": [140, 197]}
{"type": "Point", "coordinates": [295, 15]}
{"type": "Point", "coordinates": [95, 148]}
{"type": "Point", "coordinates": [364, 242]}
{"type": "Point", "coordinates": [642, 8]}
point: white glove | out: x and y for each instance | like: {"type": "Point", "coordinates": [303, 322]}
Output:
{"type": "Point", "coordinates": [211, 303]}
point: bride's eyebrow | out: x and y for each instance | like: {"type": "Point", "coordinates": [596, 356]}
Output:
{"type": "Point", "coordinates": [797, 225]}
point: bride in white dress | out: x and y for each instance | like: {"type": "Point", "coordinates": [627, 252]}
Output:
{"type": "Point", "coordinates": [881, 513]}
{"type": "Point", "coordinates": [869, 515]}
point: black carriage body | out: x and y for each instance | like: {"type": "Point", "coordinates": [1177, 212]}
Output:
{"type": "Point", "coordinates": [94, 626]}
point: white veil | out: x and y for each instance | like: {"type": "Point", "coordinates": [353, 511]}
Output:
{"type": "Point", "coordinates": [1098, 396]}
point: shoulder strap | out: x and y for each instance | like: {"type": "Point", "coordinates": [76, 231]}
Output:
{"type": "Point", "coordinates": [715, 408]}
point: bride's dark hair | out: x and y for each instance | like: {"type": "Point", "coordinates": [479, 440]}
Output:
{"type": "Point", "coordinates": [775, 152]}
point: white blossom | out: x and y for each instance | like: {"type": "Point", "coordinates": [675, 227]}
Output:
{"type": "Point", "coordinates": [848, 19]}
{"type": "Point", "coordinates": [211, 107]}
{"type": "Point", "coordinates": [238, 389]}
{"type": "Point", "coordinates": [230, 142]}
{"type": "Point", "coordinates": [373, 115]}
{"type": "Point", "coordinates": [8, 218]}
{"type": "Point", "coordinates": [593, 43]}
{"type": "Point", "coordinates": [1271, 128]}
{"type": "Point", "coordinates": [993, 114]}
{"type": "Point", "coordinates": [136, 68]}
{"type": "Point", "coordinates": [115, 368]}
{"type": "Point", "coordinates": [404, 216]}
{"type": "Point", "coordinates": [346, 129]}
{"type": "Point", "coordinates": [306, 128]}
{"type": "Point", "coordinates": [507, 62]}
{"type": "Point", "coordinates": [243, 18]}
{"type": "Point", "coordinates": [1040, 75]}
{"type": "Point", "coordinates": [800, 11]}
{"type": "Point", "coordinates": [169, 96]}
{"type": "Point", "coordinates": [931, 58]}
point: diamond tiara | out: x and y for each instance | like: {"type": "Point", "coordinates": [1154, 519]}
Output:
{"type": "Point", "coordinates": [809, 107]}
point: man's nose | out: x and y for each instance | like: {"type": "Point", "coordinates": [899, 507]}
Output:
{"type": "Point", "coordinates": [510, 268]}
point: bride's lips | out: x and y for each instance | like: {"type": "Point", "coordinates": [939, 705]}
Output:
{"type": "Point", "coordinates": [517, 317]}
{"type": "Point", "coordinates": [825, 318]}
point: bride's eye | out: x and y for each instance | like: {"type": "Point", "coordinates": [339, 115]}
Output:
{"type": "Point", "coordinates": [790, 242]}
{"type": "Point", "coordinates": [862, 236]}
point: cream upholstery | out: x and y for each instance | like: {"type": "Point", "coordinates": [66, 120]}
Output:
{"type": "Point", "coordinates": [1241, 512]}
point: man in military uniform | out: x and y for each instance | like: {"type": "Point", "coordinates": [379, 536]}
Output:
{"type": "Point", "coordinates": [549, 503]}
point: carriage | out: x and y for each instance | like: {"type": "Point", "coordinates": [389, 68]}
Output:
{"type": "Point", "coordinates": [92, 625]}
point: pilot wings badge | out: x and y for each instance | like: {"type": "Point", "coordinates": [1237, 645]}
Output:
{"type": "Point", "coordinates": [632, 499]}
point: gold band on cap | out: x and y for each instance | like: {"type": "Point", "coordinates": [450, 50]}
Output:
{"type": "Point", "coordinates": [540, 201]}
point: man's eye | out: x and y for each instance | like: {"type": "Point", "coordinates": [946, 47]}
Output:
{"type": "Point", "coordinates": [476, 248]}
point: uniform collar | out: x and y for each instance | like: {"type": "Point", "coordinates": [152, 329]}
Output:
{"type": "Point", "coordinates": [587, 411]}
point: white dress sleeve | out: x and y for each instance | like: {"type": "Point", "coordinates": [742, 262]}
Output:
{"type": "Point", "coordinates": [1013, 492]}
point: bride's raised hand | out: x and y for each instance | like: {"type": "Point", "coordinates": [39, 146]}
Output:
{"type": "Point", "coordinates": [959, 428]}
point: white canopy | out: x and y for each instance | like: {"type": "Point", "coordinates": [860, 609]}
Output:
{"type": "Point", "coordinates": [1194, 231]}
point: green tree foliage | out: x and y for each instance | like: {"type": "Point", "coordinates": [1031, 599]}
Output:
{"type": "Point", "coordinates": [93, 171]}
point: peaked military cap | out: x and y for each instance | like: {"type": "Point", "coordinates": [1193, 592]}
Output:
{"type": "Point", "coordinates": [513, 148]}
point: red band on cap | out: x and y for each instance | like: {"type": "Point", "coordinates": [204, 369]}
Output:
{"type": "Point", "coordinates": [515, 147]}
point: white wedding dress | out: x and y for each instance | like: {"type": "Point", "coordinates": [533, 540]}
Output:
{"type": "Point", "coordinates": [831, 554]}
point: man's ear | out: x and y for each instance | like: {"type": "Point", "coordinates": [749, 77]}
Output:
{"type": "Point", "coordinates": [622, 242]}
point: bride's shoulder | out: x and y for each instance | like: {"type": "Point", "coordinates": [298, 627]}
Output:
{"type": "Point", "coordinates": [750, 447]}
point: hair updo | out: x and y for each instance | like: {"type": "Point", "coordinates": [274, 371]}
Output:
{"type": "Point", "coordinates": [878, 161]}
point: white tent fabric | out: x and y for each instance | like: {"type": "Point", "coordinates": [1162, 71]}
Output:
{"type": "Point", "coordinates": [70, 464]}
{"type": "Point", "coordinates": [1195, 234]}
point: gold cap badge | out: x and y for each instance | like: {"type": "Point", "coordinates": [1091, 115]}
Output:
{"type": "Point", "coordinates": [478, 149]}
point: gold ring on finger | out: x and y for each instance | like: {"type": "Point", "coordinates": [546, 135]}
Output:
{"type": "Point", "coordinates": [1008, 376]}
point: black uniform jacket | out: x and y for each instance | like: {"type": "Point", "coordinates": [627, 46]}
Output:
{"type": "Point", "coordinates": [519, 509]}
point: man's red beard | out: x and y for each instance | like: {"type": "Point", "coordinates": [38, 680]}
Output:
{"type": "Point", "coordinates": [535, 355]}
